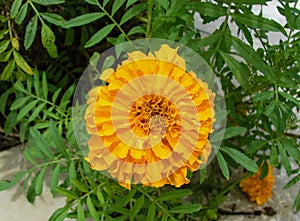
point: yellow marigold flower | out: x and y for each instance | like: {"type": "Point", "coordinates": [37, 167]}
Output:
{"type": "Point", "coordinates": [259, 190]}
{"type": "Point", "coordinates": [151, 123]}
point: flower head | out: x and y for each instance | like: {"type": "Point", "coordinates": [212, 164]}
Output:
{"type": "Point", "coordinates": [259, 190]}
{"type": "Point", "coordinates": [151, 123]}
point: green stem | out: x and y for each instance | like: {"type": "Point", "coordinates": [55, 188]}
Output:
{"type": "Point", "coordinates": [36, 11]}
{"type": "Point", "coordinates": [114, 21]}
{"type": "Point", "coordinates": [150, 7]}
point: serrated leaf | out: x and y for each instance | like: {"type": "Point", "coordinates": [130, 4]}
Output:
{"type": "Point", "coordinates": [59, 142]}
{"type": "Point", "coordinates": [240, 71]}
{"type": "Point", "coordinates": [291, 148]}
{"type": "Point", "coordinates": [66, 193]}
{"type": "Point", "coordinates": [207, 9]}
{"type": "Point", "coordinates": [80, 186]}
{"type": "Point", "coordinates": [83, 19]}
{"type": "Point", "coordinates": [269, 109]}
{"type": "Point", "coordinates": [274, 156]}
{"type": "Point", "coordinates": [133, 12]}
{"type": "Point", "coordinates": [292, 182]}
{"type": "Point", "coordinates": [251, 56]}
{"type": "Point", "coordinates": [4, 45]}
{"type": "Point", "coordinates": [53, 18]}
{"type": "Point", "coordinates": [40, 142]}
{"type": "Point", "coordinates": [116, 6]}
{"type": "Point", "coordinates": [92, 209]}
{"type": "Point", "coordinates": [22, 63]}
{"type": "Point", "coordinates": [55, 95]}
{"type": "Point", "coordinates": [189, 208]}
{"type": "Point", "coordinates": [254, 146]}
{"type": "Point", "coordinates": [4, 57]}
{"type": "Point", "coordinates": [15, 8]}
{"type": "Point", "coordinates": [151, 212]}
{"type": "Point", "coordinates": [45, 85]}
{"type": "Point", "coordinates": [264, 170]}
{"type": "Point", "coordinates": [49, 2]}
{"type": "Point", "coordinates": [66, 97]}
{"type": "Point", "coordinates": [40, 181]}
{"type": "Point", "coordinates": [54, 179]}
{"type": "Point", "coordinates": [290, 98]}
{"type": "Point", "coordinates": [139, 203]}
{"type": "Point", "coordinates": [80, 212]}
{"type": "Point", "coordinates": [5, 184]}
{"type": "Point", "coordinates": [136, 30]}
{"type": "Point", "coordinates": [265, 95]}
{"type": "Point", "coordinates": [223, 165]}
{"type": "Point", "coordinates": [48, 40]}
{"type": "Point", "coordinates": [258, 22]}
{"type": "Point", "coordinates": [296, 204]}
{"type": "Point", "coordinates": [15, 43]}
{"type": "Point", "coordinates": [241, 158]}
{"type": "Point", "coordinates": [100, 197]}
{"type": "Point", "coordinates": [30, 32]}
{"type": "Point", "coordinates": [60, 214]}
{"type": "Point", "coordinates": [21, 14]}
{"type": "Point", "coordinates": [284, 158]}
{"type": "Point", "coordinates": [72, 170]}
{"type": "Point", "coordinates": [130, 2]}
{"type": "Point", "coordinates": [3, 100]}
{"type": "Point", "coordinates": [233, 132]}
{"type": "Point", "coordinates": [19, 103]}
{"type": "Point", "coordinates": [24, 111]}
{"type": "Point", "coordinates": [92, 2]}
{"type": "Point", "coordinates": [99, 35]}
{"type": "Point", "coordinates": [8, 70]}
{"type": "Point", "coordinates": [36, 112]}
{"type": "Point", "coordinates": [174, 194]}
{"type": "Point", "coordinates": [31, 191]}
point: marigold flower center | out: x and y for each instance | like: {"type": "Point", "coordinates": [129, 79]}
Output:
{"type": "Point", "coordinates": [155, 115]}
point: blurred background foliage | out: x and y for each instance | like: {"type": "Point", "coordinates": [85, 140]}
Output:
{"type": "Point", "coordinates": [45, 46]}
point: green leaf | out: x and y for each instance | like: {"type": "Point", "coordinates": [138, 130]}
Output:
{"type": "Point", "coordinates": [139, 203]}
{"type": "Point", "coordinates": [55, 95]}
{"type": "Point", "coordinates": [19, 86]}
{"type": "Point", "coordinates": [59, 142]}
{"type": "Point", "coordinates": [30, 32]}
{"type": "Point", "coordinates": [296, 204]}
{"type": "Point", "coordinates": [292, 148]}
{"type": "Point", "coordinates": [234, 131]}
{"type": "Point", "coordinates": [258, 22]}
{"type": "Point", "coordinates": [66, 193]}
{"type": "Point", "coordinates": [45, 85]}
{"type": "Point", "coordinates": [83, 19]}
{"type": "Point", "coordinates": [133, 12]}
{"type": "Point", "coordinates": [116, 6]}
{"type": "Point", "coordinates": [40, 142]}
{"type": "Point", "coordinates": [8, 70]}
{"type": "Point", "coordinates": [188, 208]}
{"type": "Point", "coordinates": [254, 146]}
{"type": "Point", "coordinates": [60, 214]}
{"type": "Point", "coordinates": [92, 209]}
{"type": "Point", "coordinates": [249, 2]}
{"type": "Point", "coordinates": [164, 217]}
{"type": "Point", "coordinates": [130, 2]}
{"type": "Point", "coordinates": [5, 184]}
{"type": "Point", "coordinates": [136, 30]}
{"type": "Point", "coordinates": [264, 170]}
{"type": "Point", "coordinates": [262, 96]}
{"type": "Point", "coordinates": [223, 165]}
{"type": "Point", "coordinates": [92, 2]}
{"type": "Point", "coordinates": [290, 98]}
{"type": "Point", "coordinates": [48, 40]}
{"type": "Point", "coordinates": [66, 97]}
{"type": "Point", "coordinates": [251, 56]}
{"type": "Point", "coordinates": [36, 112]}
{"type": "Point", "coordinates": [4, 45]}
{"type": "Point", "coordinates": [22, 14]}
{"type": "Point", "coordinates": [128, 197]}
{"type": "Point", "coordinates": [151, 212]}
{"type": "Point", "coordinates": [239, 70]}
{"type": "Point", "coordinates": [22, 63]}
{"type": "Point", "coordinates": [80, 212]}
{"type": "Point", "coordinates": [269, 109]}
{"type": "Point", "coordinates": [174, 194]}
{"type": "Point", "coordinates": [72, 170]}
{"type": "Point", "coordinates": [19, 103]}
{"type": "Point", "coordinates": [284, 158]}
{"type": "Point", "coordinates": [49, 2]}
{"type": "Point", "coordinates": [31, 191]}
{"type": "Point", "coordinates": [100, 197]}
{"type": "Point", "coordinates": [40, 181]}
{"type": "Point", "coordinates": [80, 186]}
{"type": "Point", "coordinates": [241, 158]}
{"type": "Point", "coordinates": [53, 18]}
{"type": "Point", "coordinates": [54, 179]}
{"type": "Point", "coordinates": [3, 100]}
{"type": "Point", "coordinates": [4, 57]}
{"type": "Point", "coordinates": [292, 182]}
{"type": "Point", "coordinates": [274, 156]}
{"type": "Point", "coordinates": [24, 111]}
{"type": "Point", "coordinates": [15, 8]}
{"type": "Point", "coordinates": [99, 35]}
{"type": "Point", "coordinates": [207, 9]}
